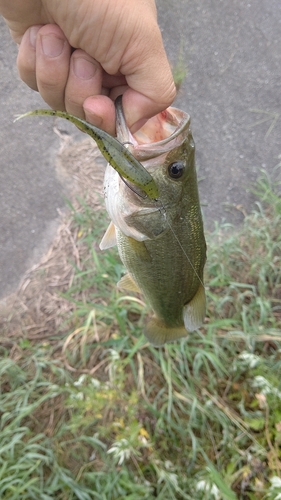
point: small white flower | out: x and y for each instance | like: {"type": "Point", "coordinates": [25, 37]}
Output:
{"type": "Point", "coordinates": [265, 386]}
{"type": "Point", "coordinates": [202, 485]}
{"type": "Point", "coordinates": [169, 477]}
{"type": "Point", "coordinates": [215, 492]}
{"type": "Point", "coordinates": [168, 464]}
{"type": "Point", "coordinates": [250, 359]}
{"type": "Point", "coordinates": [79, 396]}
{"type": "Point", "coordinates": [114, 355]}
{"type": "Point", "coordinates": [263, 383]}
{"type": "Point", "coordinates": [275, 482]}
{"type": "Point", "coordinates": [95, 382]}
{"type": "Point", "coordinates": [80, 381]}
{"type": "Point", "coordinates": [206, 486]}
{"type": "Point", "coordinates": [121, 450]}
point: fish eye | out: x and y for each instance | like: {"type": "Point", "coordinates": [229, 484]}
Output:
{"type": "Point", "coordinates": [176, 169]}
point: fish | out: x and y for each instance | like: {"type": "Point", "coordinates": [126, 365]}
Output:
{"type": "Point", "coordinates": [151, 196]}
{"type": "Point", "coordinates": [161, 240]}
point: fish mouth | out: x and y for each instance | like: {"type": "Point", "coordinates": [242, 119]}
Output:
{"type": "Point", "coordinates": [160, 134]}
{"type": "Point", "coordinates": [130, 209]}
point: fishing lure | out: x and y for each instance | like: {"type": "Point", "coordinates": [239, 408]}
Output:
{"type": "Point", "coordinates": [117, 155]}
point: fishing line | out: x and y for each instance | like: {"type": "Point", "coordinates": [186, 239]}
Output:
{"type": "Point", "coordinates": [143, 196]}
{"type": "Point", "coordinates": [166, 219]}
{"type": "Point", "coordinates": [173, 232]}
{"type": "Point", "coordinates": [177, 239]}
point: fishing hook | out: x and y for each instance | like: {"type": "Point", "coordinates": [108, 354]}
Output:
{"type": "Point", "coordinates": [132, 189]}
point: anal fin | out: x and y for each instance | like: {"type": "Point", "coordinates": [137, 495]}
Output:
{"type": "Point", "coordinates": [127, 283]}
{"type": "Point", "coordinates": [194, 312]}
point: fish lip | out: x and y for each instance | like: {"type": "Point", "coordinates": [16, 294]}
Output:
{"type": "Point", "coordinates": [181, 126]}
{"type": "Point", "coordinates": [177, 120]}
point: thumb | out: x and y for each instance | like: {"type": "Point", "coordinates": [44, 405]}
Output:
{"type": "Point", "coordinates": [151, 86]}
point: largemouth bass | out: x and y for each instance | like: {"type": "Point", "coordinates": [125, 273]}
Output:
{"type": "Point", "coordinates": [156, 217]}
{"type": "Point", "coordinates": [161, 242]}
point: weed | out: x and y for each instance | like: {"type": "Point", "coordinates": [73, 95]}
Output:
{"type": "Point", "coordinates": [98, 413]}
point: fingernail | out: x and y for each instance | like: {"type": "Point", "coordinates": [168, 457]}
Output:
{"type": "Point", "coordinates": [52, 45]}
{"type": "Point", "coordinates": [32, 35]}
{"type": "Point", "coordinates": [83, 69]}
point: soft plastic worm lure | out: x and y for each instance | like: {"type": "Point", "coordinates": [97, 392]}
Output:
{"type": "Point", "coordinates": [114, 152]}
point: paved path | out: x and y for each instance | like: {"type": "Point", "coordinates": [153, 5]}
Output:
{"type": "Point", "coordinates": [233, 57]}
{"type": "Point", "coordinates": [30, 193]}
{"type": "Point", "coordinates": [231, 49]}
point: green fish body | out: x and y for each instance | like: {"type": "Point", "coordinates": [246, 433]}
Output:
{"type": "Point", "coordinates": [161, 242]}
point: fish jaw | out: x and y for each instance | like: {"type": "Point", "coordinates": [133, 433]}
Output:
{"type": "Point", "coordinates": [160, 134]}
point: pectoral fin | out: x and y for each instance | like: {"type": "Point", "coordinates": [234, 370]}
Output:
{"type": "Point", "coordinates": [139, 249]}
{"type": "Point", "coordinates": [194, 312]}
{"type": "Point", "coordinates": [127, 283]}
{"type": "Point", "coordinates": [149, 222]}
{"type": "Point", "coordinates": [109, 238]}
{"type": "Point", "coordinates": [158, 333]}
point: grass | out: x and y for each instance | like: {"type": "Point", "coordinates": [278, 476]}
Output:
{"type": "Point", "coordinates": [92, 411]}
{"type": "Point", "coordinates": [179, 69]}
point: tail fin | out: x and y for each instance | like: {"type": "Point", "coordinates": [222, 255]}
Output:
{"type": "Point", "coordinates": [158, 333]}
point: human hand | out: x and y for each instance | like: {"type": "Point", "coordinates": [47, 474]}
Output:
{"type": "Point", "coordinates": [81, 55]}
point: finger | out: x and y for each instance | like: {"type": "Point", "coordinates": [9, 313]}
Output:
{"type": "Point", "coordinates": [138, 108]}
{"type": "Point", "coordinates": [52, 65]}
{"type": "Point", "coordinates": [26, 60]}
{"type": "Point", "coordinates": [21, 15]}
{"type": "Point", "coordinates": [118, 90]}
{"type": "Point", "coordinates": [150, 81]}
{"type": "Point", "coordinates": [84, 80]}
{"type": "Point", "coordinates": [139, 105]}
{"type": "Point", "coordinates": [110, 81]}
{"type": "Point", "coordinates": [100, 111]}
